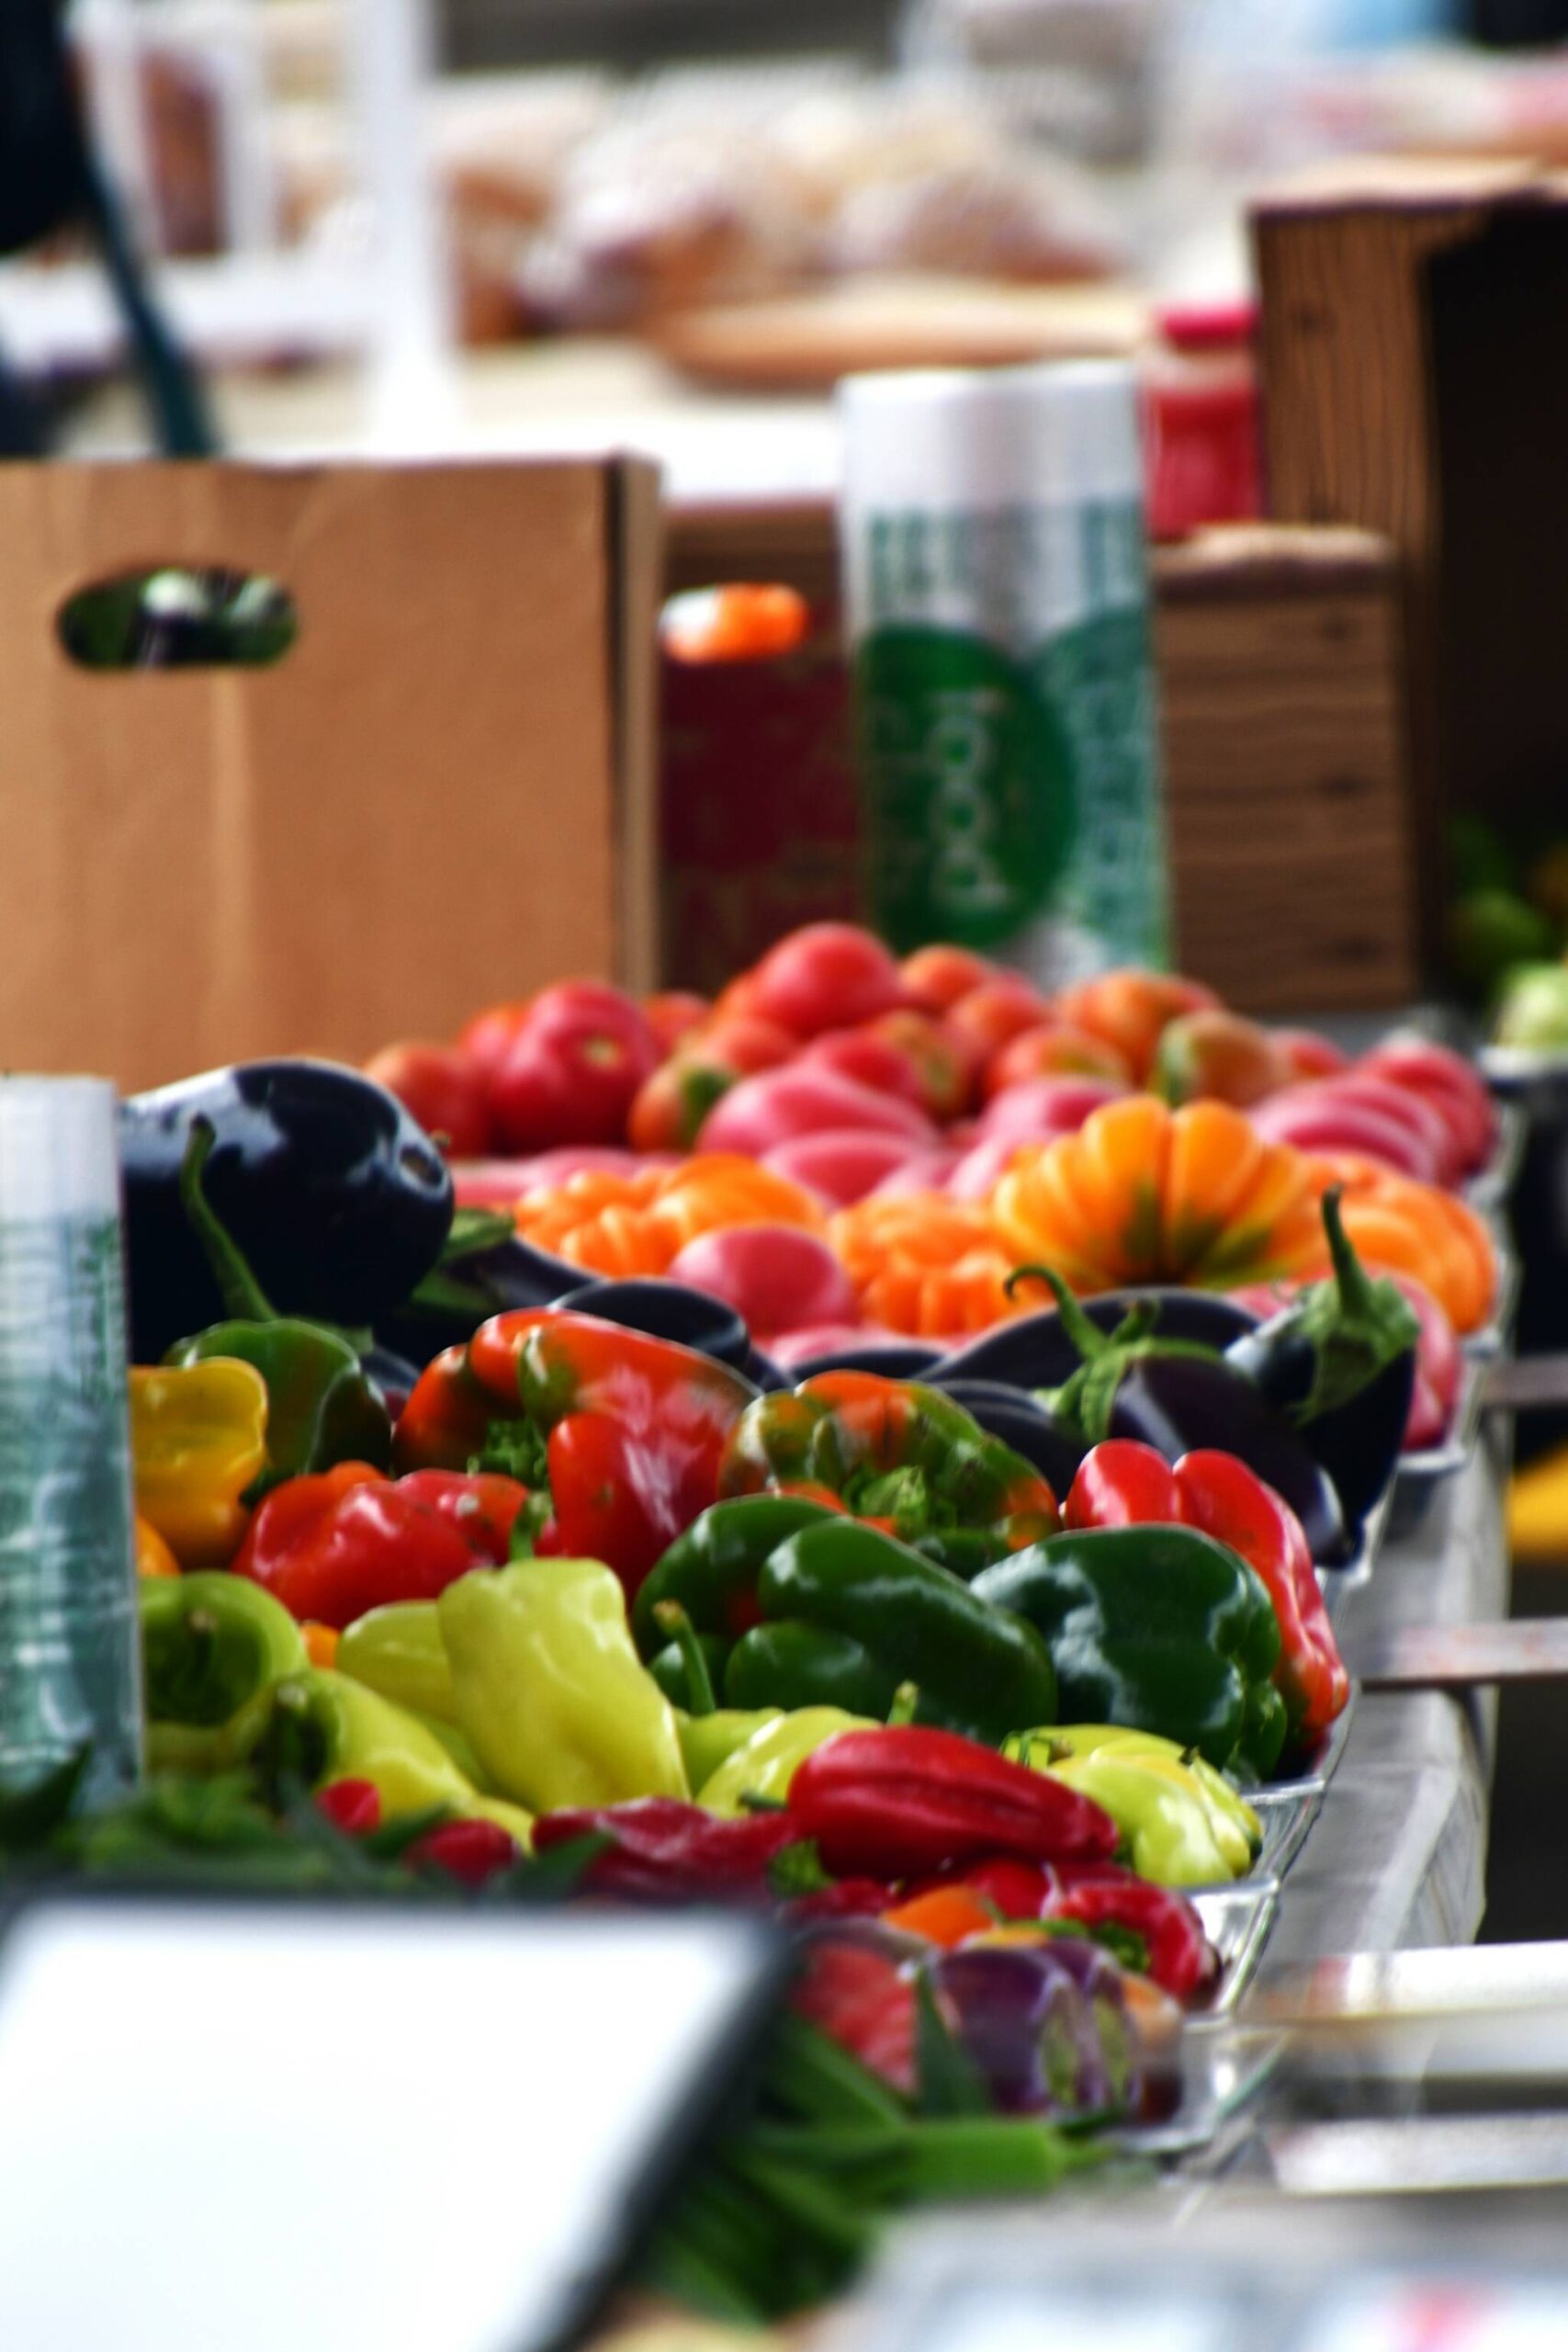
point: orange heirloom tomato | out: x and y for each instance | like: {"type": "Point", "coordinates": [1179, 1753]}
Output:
{"type": "Point", "coordinates": [1415, 1228]}
{"type": "Point", "coordinates": [1129, 1009]}
{"type": "Point", "coordinates": [1143, 1194]}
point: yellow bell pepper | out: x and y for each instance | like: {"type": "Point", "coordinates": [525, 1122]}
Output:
{"type": "Point", "coordinates": [1041, 1748]}
{"type": "Point", "coordinates": [197, 1439]}
{"type": "Point", "coordinates": [765, 1765]}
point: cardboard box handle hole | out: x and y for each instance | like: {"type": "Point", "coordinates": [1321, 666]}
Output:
{"type": "Point", "coordinates": [179, 617]}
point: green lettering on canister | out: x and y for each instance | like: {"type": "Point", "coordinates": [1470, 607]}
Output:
{"type": "Point", "coordinates": [971, 812]}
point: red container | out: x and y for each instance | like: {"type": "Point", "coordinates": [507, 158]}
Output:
{"type": "Point", "coordinates": [1202, 419]}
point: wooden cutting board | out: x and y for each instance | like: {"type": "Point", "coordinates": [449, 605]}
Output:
{"type": "Point", "coordinates": [806, 342]}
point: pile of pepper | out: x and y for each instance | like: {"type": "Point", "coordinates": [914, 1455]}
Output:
{"type": "Point", "coordinates": [974, 1727]}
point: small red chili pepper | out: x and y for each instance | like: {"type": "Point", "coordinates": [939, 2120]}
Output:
{"type": "Point", "coordinates": [904, 1801]}
{"type": "Point", "coordinates": [471, 1851]}
{"type": "Point", "coordinates": [351, 1805]}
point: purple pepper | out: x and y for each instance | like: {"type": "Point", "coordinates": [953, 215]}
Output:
{"type": "Point", "coordinates": [1045, 2024]}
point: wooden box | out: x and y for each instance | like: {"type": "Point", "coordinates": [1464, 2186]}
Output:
{"type": "Point", "coordinates": [1415, 347]}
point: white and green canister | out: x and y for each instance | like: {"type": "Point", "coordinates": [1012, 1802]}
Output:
{"type": "Point", "coordinates": [996, 596]}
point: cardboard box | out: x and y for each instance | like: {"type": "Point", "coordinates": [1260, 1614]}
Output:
{"type": "Point", "coordinates": [440, 795]}
{"type": "Point", "coordinates": [1283, 743]}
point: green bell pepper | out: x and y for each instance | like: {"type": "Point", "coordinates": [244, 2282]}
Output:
{"type": "Point", "coordinates": [321, 1405]}
{"type": "Point", "coordinates": [1159, 1628]}
{"type": "Point", "coordinates": [210, 1642]}
{"type": "Point", "coordinates": [712, 1571]}
{"type": "Point", "coordinates": [709, 1734]}
{"type": "Point", "coordinates": [848, 1615]}
{"type": "Point", "coordinates": [896, 1451]}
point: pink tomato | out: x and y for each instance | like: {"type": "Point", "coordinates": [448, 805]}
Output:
{"type": "Point", "coordinates": [776, 1104]}
{"type": "Point", "coordinates": [870, 1061]}
{"type": "Point", "coordinates": [1455, 1089]}
{"type": "Point", "coordinates": [842, 1164]}
{"type": "Point", "coordinates": [1036, 1109]}
{"type": "Point", "coordinates": [776, 1277]}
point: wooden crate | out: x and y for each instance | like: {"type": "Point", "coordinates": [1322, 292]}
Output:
{"type": "Point", "coordinates": [1289, 830]}
{"type": "Point", "coordinates": [1415, 347]}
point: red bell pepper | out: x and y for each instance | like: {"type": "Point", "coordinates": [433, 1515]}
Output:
{"type": "Point", "coordinates": [1181, 1958]}
{"type": "Point", "coordinates": [662, 1851]}
{"type": "Point", "coordinates": [334, 1545]}
{"type": "Point", "coordinates": [853, 1986]}
{"type": "Point", "coordinates": [1122, 1484]}
{"type": "Point", "coordinates": [628, 1429]}
{"type": "Point", "coordinates": [902, 1800]}
{"type": "Point", "coordinates": [1225, 1499]}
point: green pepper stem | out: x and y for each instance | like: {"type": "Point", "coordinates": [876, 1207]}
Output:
{"type": "Point", "coordinates": [671, 1619]}
{"type": "Point", "coordinates": [1351, 1278]}
{"type": "Point", "coordinates": [1085, 1334]}
{"type": "Point", "coordinates": [242, 1296]}
{"type": "Point", "coordinates": [906, 1700]}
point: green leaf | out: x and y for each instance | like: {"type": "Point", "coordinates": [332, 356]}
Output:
{"type": "Point", "coordinates": [949, 2081]}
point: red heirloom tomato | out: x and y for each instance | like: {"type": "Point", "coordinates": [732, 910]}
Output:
{"type": "Point", "coordinates": [672, 1014]}
{"type": "Point", "coordinates": [935, 978]}
{"type": "Point", "coordinates": [870, 1061]}
{"type": "Point", "coordinates": [775, 1276]}
{"type": "Point", "coordinates": [826, 976]}
{"type": "Point", "coordinates": [489, 1037]}
{"type": "Point", "coordinates": [445, 1090]}
{"type": "Point", "coordinates": [1001, 1010]}
{"type": "Point", "coordinates": [574, 1071]}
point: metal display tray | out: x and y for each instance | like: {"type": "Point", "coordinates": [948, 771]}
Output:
{"type": "Point", "coordinates": [1420, 1476]}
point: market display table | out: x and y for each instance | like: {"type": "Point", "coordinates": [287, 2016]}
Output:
{"type": "Point", "coordinates": [1397, 1856]}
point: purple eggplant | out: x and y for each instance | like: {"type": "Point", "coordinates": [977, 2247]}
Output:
{"type": "Point", "coordinates": [894, 1358]}
{"type": "Point", "coordinates": [1040, 1350]}
{"type": "Point", "coordinates": [1021, 1420]}
{"type": "Point", "coordinates": [1339, 1363]}
{"type": "Point", "coordinates": [1044, 2025]}
{"type": "Point", "coordinates": [1177, 1404]}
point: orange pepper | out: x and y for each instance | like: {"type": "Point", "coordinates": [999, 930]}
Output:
{"type": "Point", "coordinates": [620, 1224]}
{"type": "Point", "coordinates": [944, 1915]}
{"type": "Point", "coordinates": [153, 1557]}
{"type": "Point", "coordinates": [321, 1641]}
{"type": "Point", "coordinates": [923, 1264]}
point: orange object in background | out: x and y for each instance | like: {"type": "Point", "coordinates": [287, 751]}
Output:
{"type": "Point", "coordinates": [742, 621]}
{"type": "Point", "coordinates": [1415, 1228]}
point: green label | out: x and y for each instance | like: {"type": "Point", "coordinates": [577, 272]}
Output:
{"type": "Point", "coordinates": [1096, 679]}
{"type": "Point", "coordinates": [971, 804]}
